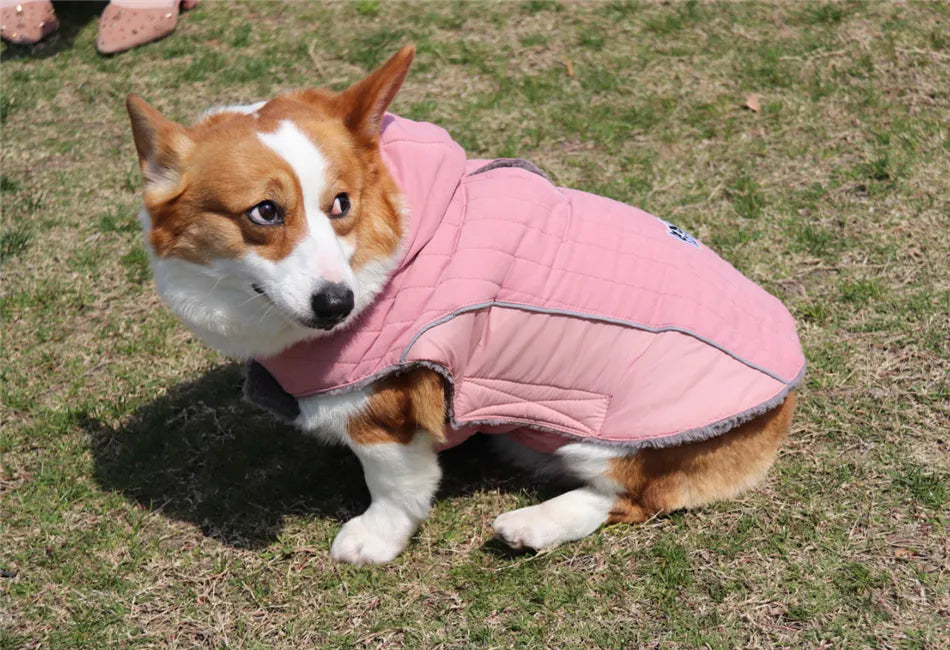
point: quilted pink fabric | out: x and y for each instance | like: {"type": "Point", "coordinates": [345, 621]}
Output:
{"type": "Point", "coordinates": [556, 315]}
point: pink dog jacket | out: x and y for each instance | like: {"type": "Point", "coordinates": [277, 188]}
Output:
{"type": "Point", "coordinates": [555, 315]}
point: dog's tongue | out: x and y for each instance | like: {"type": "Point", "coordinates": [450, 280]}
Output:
{"type": "Point", "coordinates": [427, 165]}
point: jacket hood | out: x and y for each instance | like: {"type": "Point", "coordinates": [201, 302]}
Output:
{"type": "Point", "coordinates": [427, 165]}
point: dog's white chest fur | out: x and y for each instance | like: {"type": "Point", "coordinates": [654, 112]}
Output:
{"type": "Point", "coordinates": [326, 416]}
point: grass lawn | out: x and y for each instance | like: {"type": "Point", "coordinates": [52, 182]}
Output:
{"type": "Point", "coordinates": [143, 504]}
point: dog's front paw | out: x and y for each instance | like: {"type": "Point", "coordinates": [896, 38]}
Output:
{"type": "Point", "coordinates": [358, 543]}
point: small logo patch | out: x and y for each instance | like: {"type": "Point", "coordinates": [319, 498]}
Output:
{"type": "Point", "coordinates": [680, 234]}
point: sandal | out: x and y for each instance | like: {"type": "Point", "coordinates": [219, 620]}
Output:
{"type": "Point", "coordinates": [128, 23]}
{"type": "Point", "coordinates": [26, 22]}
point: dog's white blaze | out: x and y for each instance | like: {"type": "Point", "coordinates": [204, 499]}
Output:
{"type": "Point", "coordinates": [321, 250]}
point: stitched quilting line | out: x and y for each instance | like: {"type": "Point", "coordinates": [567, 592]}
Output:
{"type": "Point", "coordinates": [498, 193]}
{"type": "Point", "coordinates": [528, 226]}
{"type": "Point", "coordinates": [593, 397]}
{"type": "Point", "coordinates": [546, 405]}
{"type": "Point", "coordinates": [614, 282]}
{"type": "Point", "coordinates": [569, 206]}
{"type": "Point", "coordinates": [530, 424]}
{"type": "Point", "coordinates": [567, 309]}
{"type": "Point", "coordinates": [599, 417]}
{"type": "Point", "coordinates": [576, 428]}
{"type": "Point", "coordinates": [545, 384]}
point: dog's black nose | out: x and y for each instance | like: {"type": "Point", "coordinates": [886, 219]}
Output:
{"type": "Point", "coordinates": [331, 305]}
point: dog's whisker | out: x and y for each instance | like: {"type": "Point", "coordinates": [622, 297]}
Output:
{"type": "Point", "coordinates": [252, 299]}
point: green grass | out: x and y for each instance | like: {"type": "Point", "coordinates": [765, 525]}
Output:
{"type": "Point", "coordinates": [143, 504]}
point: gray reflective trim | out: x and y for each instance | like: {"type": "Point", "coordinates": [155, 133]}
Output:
{"type": "Point", "coordinates": [517, 163]}
{"type": "Point", "coordinates": [576, 314]}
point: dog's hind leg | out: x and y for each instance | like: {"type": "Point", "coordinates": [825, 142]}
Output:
{"type": "Point", "coordinates": [572, 515]}
{"type": "Point", "coordinates": [564, 518]}
{"type": "Point", "coordinates": [632, 487]}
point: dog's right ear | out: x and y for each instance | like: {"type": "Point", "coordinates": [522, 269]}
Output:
{"type": "Point", "coordinates": [161, 144]}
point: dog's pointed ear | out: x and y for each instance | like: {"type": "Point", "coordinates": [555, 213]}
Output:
{"type": "Point", "coordinates": [364, 103]}
{"type": "Point", "coordinates": [161, 144]}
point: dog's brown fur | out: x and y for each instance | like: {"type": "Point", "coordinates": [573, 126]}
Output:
{"type": "Point", "coordinates": [660, 481]}
{"type": "Point", "coordinates": [400, 407]}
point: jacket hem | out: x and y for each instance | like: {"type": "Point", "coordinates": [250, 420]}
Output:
{"type": "Point", "coordinates": [279, 404]}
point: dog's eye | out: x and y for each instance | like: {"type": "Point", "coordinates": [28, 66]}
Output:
{"type": "Point", "coordinates": [266, 213]}
{"type": "Point", "coordinates": [341, 205]}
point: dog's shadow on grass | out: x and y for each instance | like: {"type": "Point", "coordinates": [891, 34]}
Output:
{"type": "Point", "coordinates": [200, 454]}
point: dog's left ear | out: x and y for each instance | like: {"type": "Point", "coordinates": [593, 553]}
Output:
{"type": "Point", "coordinates": [364, 102]}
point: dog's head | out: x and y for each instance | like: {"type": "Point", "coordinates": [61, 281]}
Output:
{"type": "Point", "coordinates": [272, 223]}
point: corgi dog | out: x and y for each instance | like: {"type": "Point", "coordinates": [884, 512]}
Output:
{"type": "Point", "coordinates": [394, 296]}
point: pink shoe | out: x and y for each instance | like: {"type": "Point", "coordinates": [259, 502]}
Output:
{"type": "Point", "coordinates": [26, 22]}
{"type": "Point", "coordinates": [128, 23]}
